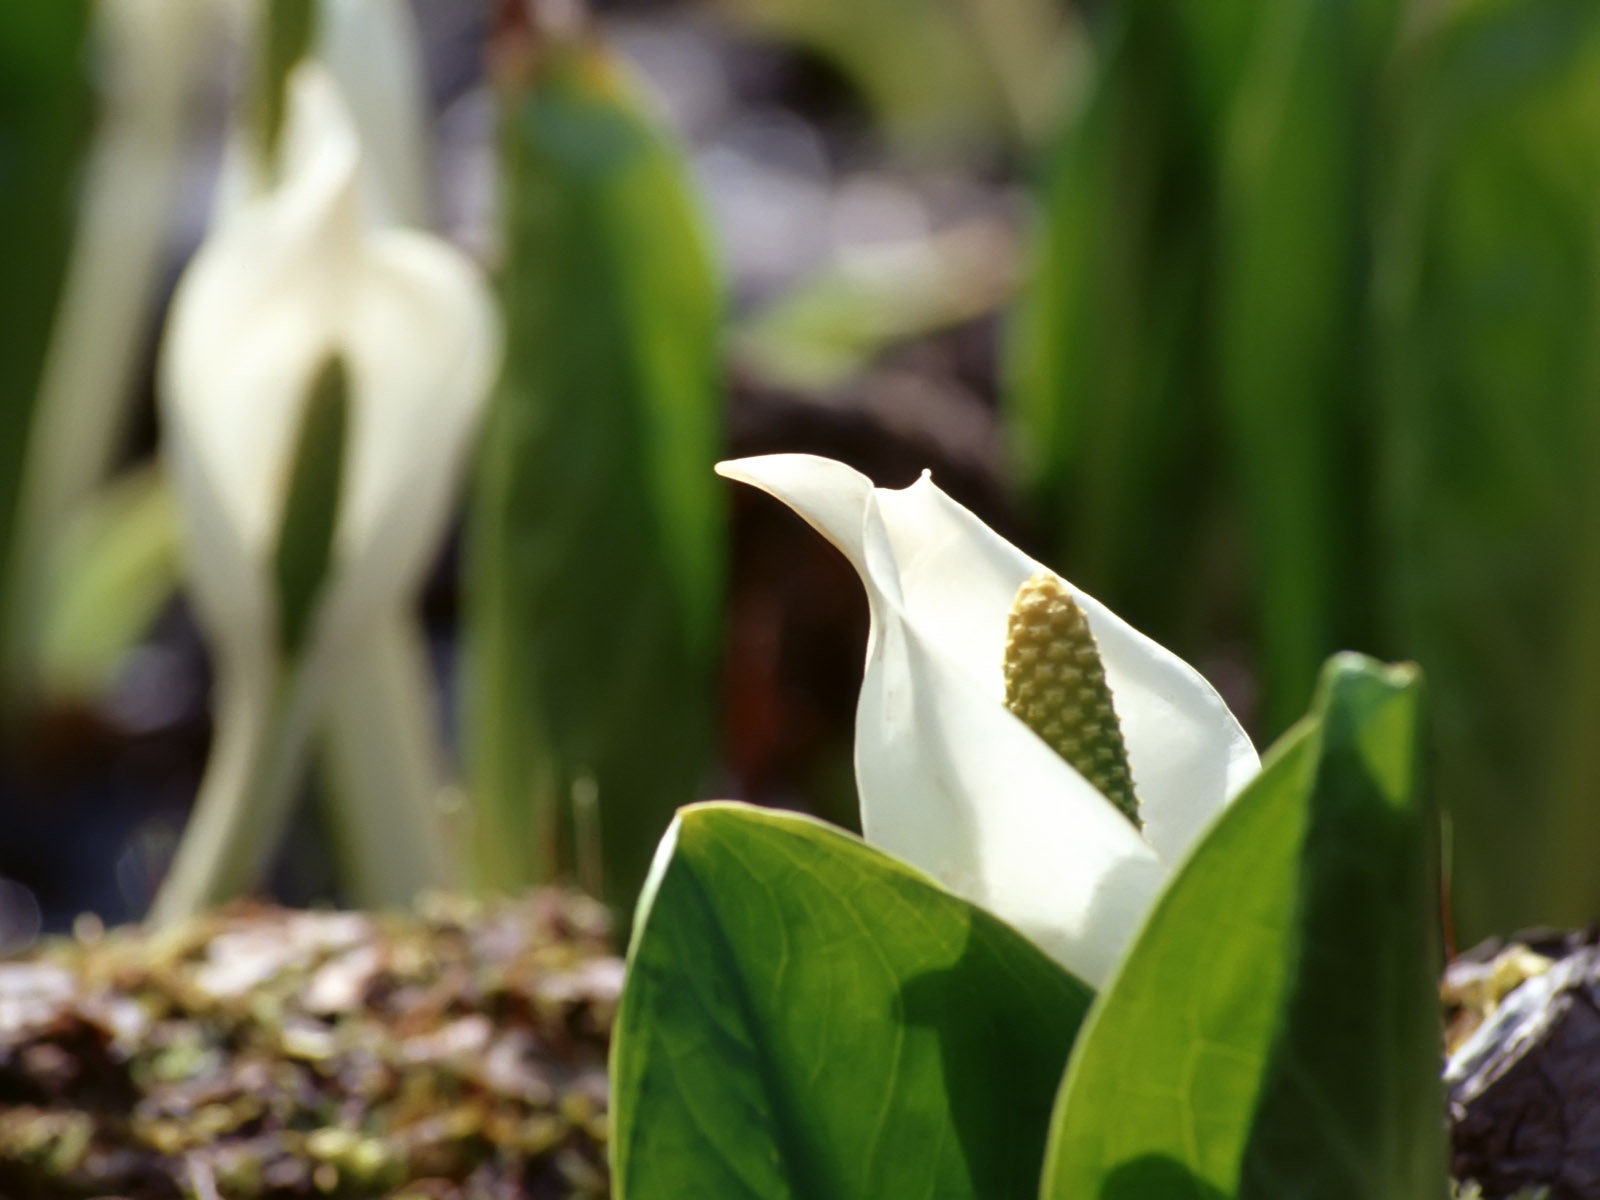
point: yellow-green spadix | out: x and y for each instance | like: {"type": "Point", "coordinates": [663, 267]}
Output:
{"type": "Point", "coordinates": [954, 783]}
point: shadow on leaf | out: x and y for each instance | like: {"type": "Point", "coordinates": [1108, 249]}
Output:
{"type": "Point", "coordinates": [1156, 1177]}
{"type": "Point", "coordinates": [999, 1075]}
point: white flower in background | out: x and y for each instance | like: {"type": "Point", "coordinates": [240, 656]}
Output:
{"type": "Point", "coordinates": [955, 784]}
{"type": "Point", "coordinates": [296, 307]}
{"type": "Point", "coordinates": [288, 283]}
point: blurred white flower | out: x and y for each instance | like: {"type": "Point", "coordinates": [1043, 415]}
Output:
{"type": "Point", "coordinates": [287, 283]}
{"type": "Point", "coordinates": [950, 780]}
{"type": "Point", "coordinates": [294, 288]}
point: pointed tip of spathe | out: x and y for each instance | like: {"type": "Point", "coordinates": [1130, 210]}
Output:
{"type": "Point", "coordinates": [321, 147]}
{"type": "Point", "coordinates": [761, 470]}
{"type": "Point", "coordinates": [775, 472]}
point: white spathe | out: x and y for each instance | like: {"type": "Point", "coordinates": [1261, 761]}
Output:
{"type": "Point", "coordinates": [287, 280]}
{"type": "Point", "coordinates": [956, 785]}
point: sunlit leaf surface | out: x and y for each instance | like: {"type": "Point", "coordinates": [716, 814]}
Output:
{"type": "Point", "coordinates": [806, 1017]}
{"type": "Point", "coordinates": [1274, 1031]}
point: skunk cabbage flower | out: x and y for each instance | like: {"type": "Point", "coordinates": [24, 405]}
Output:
{"type": "Point", "coordinates": [321, 380]}
{"type": "Point", "coordinates": [957, 785]}
{"type": "Point", "coordinates": [292, 288]}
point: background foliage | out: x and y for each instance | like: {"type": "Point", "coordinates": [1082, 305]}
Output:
{"type": "Point", "coordinates": [1294, 305]}
{"type": "Point", "coordinates": [1315, 297]}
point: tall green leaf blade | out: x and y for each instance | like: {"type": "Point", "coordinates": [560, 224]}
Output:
{"type": "Point", "coordinates": [595, 570]}
{"type": "Point", "coordinates": [45, 109]}
{"type": "Point", "coordinates": [1489, 429]}
{"type": "Point", "coordinates": [1274, 1030]}
{"type": "Point", "coordinates": [1109, 412]}
{"type": "Point", "coordinates": [1292, 248]}
{"type": "Point", "coordinates": [806, 1017]}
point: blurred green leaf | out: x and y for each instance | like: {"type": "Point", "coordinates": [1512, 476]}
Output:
{"type": "Point", "coordinates": [804, 1016]}
{"type": "Point", "coordinates": [595, 546]}
{"type": "Point", "coordinates": [1489, 429]}
{"type": "Point", "coordinates": [1274, 1031]}
{"type": "Point", "coordinates": [45, 109]}
{"type": "Point", "coordinates": [968, 70]}
{"type": "Point", "coordinates": [1112, 413]}
{"type": "Point", "coordinates": [288, 29]}
{"type": "Point", "coordinates": [1294, 220]}
{"type": "Point", "coordinates": [112, 573]}
{"type": "Point", "coordinates": [305, 543]}
{"type": "Point", "coordinates": [831, 325]}
{"type": "Point", "coordinates": [1200, 297]}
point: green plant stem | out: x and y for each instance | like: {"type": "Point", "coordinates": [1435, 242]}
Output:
{"type": "Point", "coordinates": [384, 767]}
{"type": "Point", "coordinates": [264, 718]}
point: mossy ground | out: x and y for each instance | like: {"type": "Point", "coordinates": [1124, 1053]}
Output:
{"type": "Point", "coordinates": [453, 1054]}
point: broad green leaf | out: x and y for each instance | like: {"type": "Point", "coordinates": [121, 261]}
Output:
{"type": "Point", "coordinates": [594, 577]}
{"type": "Point", "coordinates": [807, 1018]}
{"type": "Point", "coordinates": [1199, 298]}
{"type": "Point", "coordinates": [1490, 431]}
{"type": "Point", "coordinates": [45, 103]}
{"type": "Point", "coordinates": [1274, 1030]}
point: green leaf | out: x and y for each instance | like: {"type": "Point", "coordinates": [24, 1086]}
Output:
{"type": "Point", "coordinates": [1108, 397]}
{"type": "Point", "coordinates": [830, 326]}
{"type": "Point", "coordinates": [1199, 297]}
{"type": "Point", "coordinates": [1490, 425]}
{"type": "Point", "coordinates": [305, 546]}
{"type": "Point", "coordinates": [45, 103]}
{"type": "Point", "coordinates": [114, 569]}
{"type": "Point", "coordinates": [806, 1017]}
{"type": "Point", "coordinates": [594, 578]}
{"type": "Point", "coordinates": [1274, 1030]}
{"type": "Point", "coordinates": [1292, 288]}
{"type": "Point", "coordinates": [288, 29]}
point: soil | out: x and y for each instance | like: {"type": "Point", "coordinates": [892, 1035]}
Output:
{"type": "Point", "coordinates": [1523, 1077]}
{"type": "Point", "coordinates": [456, 1054]}
{"type": "Point", "coordinates": [459, 1053]}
